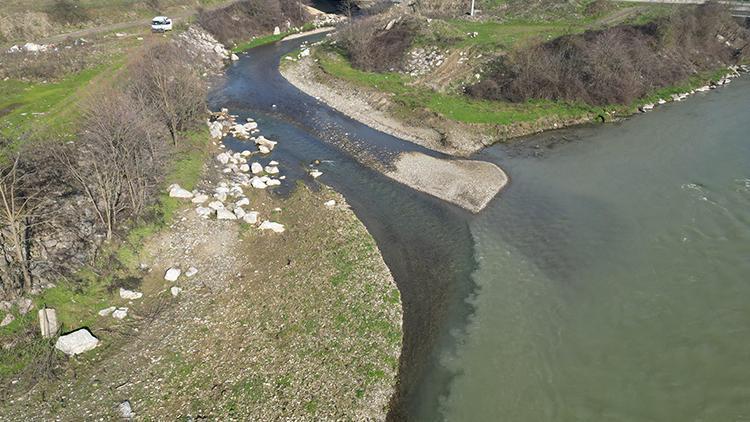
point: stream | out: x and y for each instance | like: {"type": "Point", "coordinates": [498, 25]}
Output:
{"type": "Point", "coordinates": [608, 282]}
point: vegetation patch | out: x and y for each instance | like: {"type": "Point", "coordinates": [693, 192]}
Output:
{"type": "Point", "coordinates": [618, 65]}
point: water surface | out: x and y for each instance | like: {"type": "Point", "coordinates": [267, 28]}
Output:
{"type": "Point", "coordinates": [614, 274]}
{"type": "Point", "coordinates": [609, 282]}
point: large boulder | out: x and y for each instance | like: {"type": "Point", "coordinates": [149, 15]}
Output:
{"type": "Point", "coordinates": [77, 342]}
{"type": "Point", "coordinates": [251, 217]}
{"type": "Point", "coordinates": [256, 168]}
{"type": "Point", "coordinates": [224, 214]}
{"type": "Point", "coordinates": [216, 130]}
{"type": "Point", "coordinates": [270, 225]}
{"type": "Point", "coordinates": [129, 294]}
{"type": "Point", "coordinates": [120, 313]}
{"type": "Point", "coordinates": [223, 158]}
{"type": "Point", "coordinates": [172, 274]}
{"type": "Point", "coordinates": [7, 320]}
{"type": "Point", "coordinates": [200, 198]}
{"type": "Point", "coordinates": [175, 191]}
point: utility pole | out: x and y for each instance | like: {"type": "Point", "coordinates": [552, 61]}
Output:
{"type": "Point", "coordinates": [472, 8]}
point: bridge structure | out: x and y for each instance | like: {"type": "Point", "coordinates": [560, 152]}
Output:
{"type": "Point", "coordinates": [739, 8]}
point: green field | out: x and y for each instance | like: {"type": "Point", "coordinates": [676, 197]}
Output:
{"type": "Point", "coordinates": [410, 97]}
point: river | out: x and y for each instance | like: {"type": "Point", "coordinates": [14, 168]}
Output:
{"type": "Point", "coordinates": [609, 281]}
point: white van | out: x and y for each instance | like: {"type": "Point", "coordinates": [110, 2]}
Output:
{"type": "Point", "coordinates": [161, 24]}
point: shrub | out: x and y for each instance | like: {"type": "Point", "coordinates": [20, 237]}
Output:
{"type": "Point", "coordinates": [619, 64]}
{"type": "Point", "coordinates": [369, 46]}
{"type": "Point", "coordinates": [47, 65]}
{"type": "Point", "coordinates": [164, 83]}
{"type": "Point", "coordinates": [67, 12]}
{"type": "Point", "coordinates": [244, 19]}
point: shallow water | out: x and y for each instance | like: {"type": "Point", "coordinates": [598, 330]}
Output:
{"type": "Point", "coordinates": [613, 273]}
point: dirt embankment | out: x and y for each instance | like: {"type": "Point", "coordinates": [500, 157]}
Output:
{"type": "Point", "coordinates": [302, 325]}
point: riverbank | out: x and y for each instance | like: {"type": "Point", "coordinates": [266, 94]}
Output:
{"type": "Point", "coordinates": [429, 94]}
{"type": "Point", "coordinates": [304, 324]}
{"type": "Point", "coordinates": [294, 315]}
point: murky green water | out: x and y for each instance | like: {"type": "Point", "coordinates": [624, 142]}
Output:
{"type": "Point", "coordinates": [614, 275]}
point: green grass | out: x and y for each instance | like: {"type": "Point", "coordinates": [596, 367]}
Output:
{"type": "Point", "coordinates": [39, 109]}
{"type": "Point", "coordinates": [491, 35]}
{"type": "Point", "coordinates": [460, 108]}
{"type": "Point", "coordinates": [268, 39]}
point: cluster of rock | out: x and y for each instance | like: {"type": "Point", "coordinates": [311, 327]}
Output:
{"type": "Point", "coordinates": [82, 340]}
{"type": "Point", "coordinates": [421, 61]}
{"type": "Point", "coordinates": [227, 199]}
{"type": "Point", "coordinates": [204, 49]}
{"type": "Point", "coordinates": [733, 72]}
{"type": "Point", "coordinates": [30, 47]}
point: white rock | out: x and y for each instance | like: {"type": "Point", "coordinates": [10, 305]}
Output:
{"type": "Point", "coordinates": [175, 291]}
{"type": "Point", "coordinates": [221, 189]}
{"type": "Point", "coordinates": [273, 182]}
{"type": "Point", "coordinates": [330, 203]}
{"type": "Point", "coordinates": [224, 214]}
{"type": "Point", "coordinates": [276, 31]}
{"type": "Point", "coordinates": [305, 52]}
{"type": "Point", "coordinates": [264, 149]}
{"type": "Point", "coordinates": [244, 168]}
{"type": "Point", "coordinates": [272, 170]}
{"type": "Point", "coordinates": [77, 342]}
{"type": "Point", "coordinates": [273, 163]}
{"type": "Point", "coordinates": [239, 212]}
{"type": "Point", "coordinates": [191, 272]}
{"type": "Point", "coordinates": [256, 168]}
{"type": "Point", "coordinates": [242, 202]}
{"type": "Point", "coordinates": [257, 183]}
{"type": "Point", "coordinates": [246, 153]}
{"type": "Point", "coordinates": [216, 205]}
{"type": "Point", "coordinates": [315, 174]}
{"type": "Point", "coordinates": [221, 197]}
{"type": "Point", "coordinates": [125, 410]}
{"type": "Point", "coordinates": [199, 198]}
{"type": "Point", "coordinates": [175, 191]}
{"type": "Point", "coordinates": [24, 305]}
{"type": "Point", "coordinates": [7, 320]}
{"type": "Point", "coordinates": [204, 212]}
{"type": "Point", "coordinates": [223, 158]}
{"type": "Point", "coordinates": [251, 217]}
{"type": "Point", "coordinates": [234, 57]}
{"type": "Point", "coordinates": [120, 313]}
{"type": "Point", "coordinates": [270, 225]}
{"type": "Point", "coordinates": [129, 294]}
{"type": "Point", "coordinates": [216, 130]}
{"type": "Point", "coordinates": [262, 141]}
{"type": "Point", "coordinates": [172, 274]}
{"type": "Point", "coordinates": [106, 311]}
{"type": "Point", "coordinates": [250, 126]}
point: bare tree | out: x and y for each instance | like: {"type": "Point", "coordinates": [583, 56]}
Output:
{"type": "Point", "coordinates": [117, 161]}
{"type": "Point", "coordinates": [166, 85]}
{"type": "Point", "coordinates": [20, 210]}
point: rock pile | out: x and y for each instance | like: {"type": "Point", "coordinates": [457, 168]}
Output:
{"type": "Point", "coordinates": [421, 61]}
{"type": "Point", "coordinates": [204, 49]}
{"type": "Point", "coordinates": [227, 199]}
